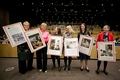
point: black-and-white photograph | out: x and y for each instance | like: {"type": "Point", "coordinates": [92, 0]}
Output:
{"type": "Point", "coordinates": [71, 44]}
{"type": "Point", "coordinates": [85, 42]}
{"type": "Point", "coordinates": [55, 44]}
{"type": "Point", "coordinates": [106, 51]}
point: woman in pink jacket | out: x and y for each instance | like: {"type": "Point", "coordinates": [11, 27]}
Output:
{"type": "Point", "coordinates": [42, 53]}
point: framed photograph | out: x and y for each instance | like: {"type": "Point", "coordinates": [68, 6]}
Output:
{"type": "Point", "coordinates": [15, 33]}
{"type": "Point", "coordinates": [55, 45]}
{"type": "Point", "coordinates": [85, 44]}
{"type": "Point", "coordinates": [71, 47]}
{"type": "Point", "coordinates": [106, 51]}
{"type": "Point", "coordinates": [34, 39]}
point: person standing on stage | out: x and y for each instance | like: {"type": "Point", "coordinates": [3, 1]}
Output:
{"type": "Point", "coordinates": [69, 33]}
{"type": "Point", "coordinates": [57, 32]}
{"type": "Point", "coordinates": [83, 57]}
{"type": "Point", "coordinates": [24, 54]}
{"type": "Point", "coordinates": [104, 36]}
{"type": "Point", "coordinates": [42, 53]}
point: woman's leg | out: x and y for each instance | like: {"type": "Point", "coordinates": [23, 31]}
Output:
{"type": "Point", "coordinates": [98, 66]}
{"type": "Point", "coordinates": [69, 62]}
{"type": "Point", "coordinates": [53, 61]}
{"type": "Point", "coordinates": [39, 59]}
{"type": "Point", "coordinates": [65, 62]}
{"type": "Point", "coordinates": [58, 61]}
{"type": "Point", "coordinates": [86, 64]}
{"type": "Point", "coordinates": [81, 65]}
{"type": "Point", "coordinates": [45, 59]}
{"type": "Point", "coordinates": [30, 62]}
{"type": "Point", "coordinates": [22, 66]}
{"type": "Point", "coordinates": [105, 66]}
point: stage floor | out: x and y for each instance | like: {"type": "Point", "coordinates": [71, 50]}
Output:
{"type": "Point", "coordinates": [113, 70]}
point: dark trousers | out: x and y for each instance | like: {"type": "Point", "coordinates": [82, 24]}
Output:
{"type": "Point", "coordinates": [53, 57]}
{"type": "Point", "coordinates": [99, 63]}
{"type": "Point", "coordinates": [69, 61]}
{"type": "Point", "coordinates": [25, 65]}
{"type": "Point", "coordinates": [41, 54]}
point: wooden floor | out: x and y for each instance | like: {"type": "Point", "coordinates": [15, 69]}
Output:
{"type": "Point", "coordinates": [113, 69]}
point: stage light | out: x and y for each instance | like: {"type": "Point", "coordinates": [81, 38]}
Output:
{"type": "Point", "coordinates": [32, 9]}
{"type": "Point", "coordinates": [111, 4]}
{"type": "Point", "coordinates": [102, 4]}
{"type": "Point", "coordinates": [23, 3]}
{"type": "Point", "coordinates": [32, 3]}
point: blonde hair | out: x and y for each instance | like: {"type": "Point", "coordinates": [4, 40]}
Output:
{"type": "Point", "coordinates": [70, 29]}
{"type": "Point", "coordinates": [44, 24]}
{"type": "Point", "coordinates": [26, 23]}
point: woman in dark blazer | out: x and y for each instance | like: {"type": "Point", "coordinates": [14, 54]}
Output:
{"type": "Point", "coordinates": [24, 54]}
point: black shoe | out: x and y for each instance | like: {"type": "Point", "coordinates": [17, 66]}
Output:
{"type": "Point", "coordinates": [68, 68]}
{"type": "Point", "coordinates": [106, 73]}
{"type": "Point", "coordinates": [53, 68]}
{"type": "Point", "coordinates": [87, 70]}
{"type": "Point", "coordinates": [65, 68]}
{"type": "Point", "coordinates": [59, 69]}
{"type": "Point", "coordinates": [81, 68]}
{"type": "Point", "coordinates": [97, 71]}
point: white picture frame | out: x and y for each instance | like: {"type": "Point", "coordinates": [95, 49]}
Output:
{"type": "Point", "coordinates": [85, 44]}
{"type": "Point", "coordinates": [55, 45]}
{"type": "Point", "coordinates": [15, 33]}
{"type": "Point", "coordinates": [106, 51]}
{"type": "Point", "coordinates": [71, 47]}
{"type": "Point", "coordinates": [34, 39]}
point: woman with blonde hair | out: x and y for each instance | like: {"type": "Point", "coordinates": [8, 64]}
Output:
{"type": "Point", "coordinates": [69, 33]}
{"type": "Point", "coordinates": [25, 57]}
{"type": "Point", "coordinates": [42, 53]}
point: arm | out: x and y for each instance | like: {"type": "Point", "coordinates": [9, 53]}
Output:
{"type": "Point", "coordinates": [78, 36]}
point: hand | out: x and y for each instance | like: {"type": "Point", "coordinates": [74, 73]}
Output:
{"type": "Point", "coordinates": [115, 52]}
{"type": "Point", "coordinates": [87, 35]}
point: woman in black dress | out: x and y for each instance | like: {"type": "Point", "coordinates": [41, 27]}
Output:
{"type": "Point", "coordinates": [83, 31]}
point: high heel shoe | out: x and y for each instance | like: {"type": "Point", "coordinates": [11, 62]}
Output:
{"type": "Point", "coordinates": [87, 70]}
{"type": "Point", "coordinates": [81, 68]}
{"type": "Point", "coordinates": [97, 71]}
{"type": "Point", "coordinates": [59, 69]}
{"type": "Point", "coordinates": [53, 68]}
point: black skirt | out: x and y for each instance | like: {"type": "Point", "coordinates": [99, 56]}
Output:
{"type": "Point", "coordinates": [83, 56]}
